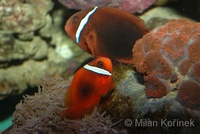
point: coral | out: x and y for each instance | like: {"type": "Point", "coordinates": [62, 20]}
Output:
{"type": "Point", "coordinates": [169, 58]}
{"type": "Point", "coordinates": [6, 47]}
{"type": "Point", "coordinates": [159, 16]}
{"type": "Point", "coordinates": [132, 6]}
{"type": "Point", "coordinates": [41, 113]}
{"type": "Point", "coordinates": [23, 16]}
{"type": "Point", "coordinates": [33, 43]}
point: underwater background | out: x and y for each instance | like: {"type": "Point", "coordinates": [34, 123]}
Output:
{"type": "Point", "coordinates": [33, 44]}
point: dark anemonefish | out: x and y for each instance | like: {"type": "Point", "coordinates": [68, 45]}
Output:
{"type": "Point", "coordinates": [89, 84]}
{"type": "Point", "coordinates": [106, 31]}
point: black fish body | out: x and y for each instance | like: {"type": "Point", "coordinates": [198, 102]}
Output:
{"type": "Point", "coordinates": [108, 32]}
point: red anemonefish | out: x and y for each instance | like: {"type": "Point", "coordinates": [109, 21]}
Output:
{"type": "Point", "coordinates": [106, 31]}
{"type": "Point", "coordinates": [89, 84]}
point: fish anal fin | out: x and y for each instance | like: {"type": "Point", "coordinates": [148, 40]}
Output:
{"type": "Point", "coordinates": [83, 108]}
{"type": "Point", "coordinates": [68, 98]}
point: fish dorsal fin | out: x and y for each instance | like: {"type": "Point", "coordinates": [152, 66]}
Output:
{"type": "Point", "coordinates": [97, 70]}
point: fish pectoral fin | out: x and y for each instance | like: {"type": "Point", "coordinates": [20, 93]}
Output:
{"type": "Point", "coordinates": [105, 100]}
{"type": "Point", "coordinates": [112, 85]}
{"type": "Point", "coordinates": [91, 42]}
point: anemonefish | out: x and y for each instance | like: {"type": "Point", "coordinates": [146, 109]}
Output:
{"type": "Point", "coordinates": [106, 31]}
{"type": "Point", "coordinates": [90, 83]}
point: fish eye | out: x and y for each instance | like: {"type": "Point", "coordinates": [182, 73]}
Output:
{"type": "Point", "coordinates": [100, 64]}
{"type": "Point", "coordinates": [75, 18]}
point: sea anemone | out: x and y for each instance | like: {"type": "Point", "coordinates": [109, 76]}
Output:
{"type": "Point", "coordinates": [41, 113]}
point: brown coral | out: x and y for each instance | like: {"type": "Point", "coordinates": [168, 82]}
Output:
{"type": "Point", "coordinates": [154, 87]}
{"type": "Point", "coordinates": [196, 72]}
{"type": "Point", "coordinates": [132, 6]}
{"type": "Point", "coordinates": [169, 58]}
{"type": "Point", "coordinates": [189, 93]}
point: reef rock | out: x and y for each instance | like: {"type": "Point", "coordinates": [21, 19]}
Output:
{"type": "Point", "coordinates": [169, 59]}
{"type": "Point", "coordinates": [132, 6]}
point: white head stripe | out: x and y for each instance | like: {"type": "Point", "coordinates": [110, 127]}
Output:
{"type": "Point", "coordinates": [83, 23]}
{"type": "Point", "coordinates": [97, 70]}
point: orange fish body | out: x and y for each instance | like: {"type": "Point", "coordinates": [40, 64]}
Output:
{"type": "Point", "coordinates": [89, 84]}
{"type": "Point", "coordinates": [106, 31]}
